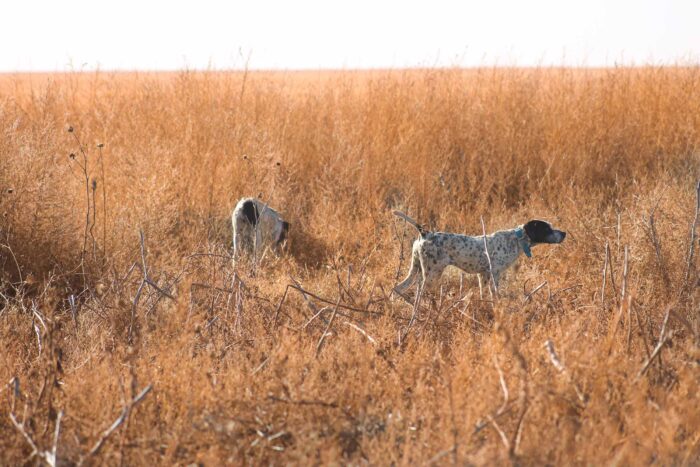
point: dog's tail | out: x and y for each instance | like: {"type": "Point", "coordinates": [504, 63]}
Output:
{"type": "Point", "coordinates": [420, 228]}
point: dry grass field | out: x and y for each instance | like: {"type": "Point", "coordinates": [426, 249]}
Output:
{"type": "Point", "coordinates": [119, 351]}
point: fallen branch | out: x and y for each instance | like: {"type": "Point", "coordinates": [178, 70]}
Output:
{"type": "Point", "coordinates": [306, 294]}
{"type": "Point", "coordinates": [329, 302]}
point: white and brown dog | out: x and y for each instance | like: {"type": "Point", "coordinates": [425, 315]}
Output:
{"type": "Point", "coordinates": [257, 226]}
{"type": "Point", "coordinates": [434, 251]}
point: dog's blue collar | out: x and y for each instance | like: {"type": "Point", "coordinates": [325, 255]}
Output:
{"type": "Point", "coordinates": [524, 242]}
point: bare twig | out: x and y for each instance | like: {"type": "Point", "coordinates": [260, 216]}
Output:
{"type": "Point", "coordinates": [213, 255]}
{"type": "Point", "coordinates": [124, 415]}
{"type": "Point", "coordinates": [30, 441]}
{"type": "Point", "coordinates": [519, 430]}
{"type": "Point", "coordinates": [488, 258]}
{"type": "Point", "coordinates": [504, 438]}
{"type": "Point", "coordinates": [528, 296]}
{"type": "Point", "coordinates": [93, 184]}
{"type": "Point", "coordinates": [687, 325]}
{"type": "Point", "coordinates": [239, 303]}
{"type": "Point", "coordinates": [361, 331]}
{"type": "Point", "coordinates": [663, 339]}
{"type": "Point", "coordinates": [86, 176]}
{"type": "Point", "coordinates": [506, 398]}
{"type": "Point", "coordinates": [619, 230]}
{"type": "Point", "coordinates": [554, 358]}
{"type": "Point", "coordinates": [623, 293]}
{"type": "Point", "coordinates": [316, 315]}
{"type": "Point", "coordinates": [37, 331]}
{"type": "Point", "coordinates": [504, 387]}
{"type": "Point", "coordinates": [328, 326]}
{"type": "Point", "coordinates": [54, 449]}
{"type": "Point", "coordinates": [307, 402]}
{"type": "Point", "coordinates": [401, 254]}
{"type": "Point", "coordinates": [691, 248]}
{"type": "Point", "coordinates": [306, 293]}
{"type": "Point", "coordinates": [73, 311]}
{"type": "Point", "coordinates": [523, 393]}
{"type": "Point", "coordinates": [605, 270]}
{"type": "Point", "coordinates": [611, 269]}
{"type": "Point", "coordinates": [279, 306]}
{"type": "Point", "coordinates": [657, 249]}
{"type": "Point", "coordinates": [14, 258]}
{"type": "Point", "coordinates": [441, 454]}
{"type": "Point", "coordinates": [641, 329]}
{"type": "Point", "coordinates": [145, 281]}
{"type": "Point", "coordinates": [625, 271]}
{"type": "Point", "coordinates": [104, 203]}
{"type": "Point", "coordinates": [49, 456]}
{"type": "Point", "coordinates": [455, 432]}
{"type": "Point", "coordinates": [414, 313]}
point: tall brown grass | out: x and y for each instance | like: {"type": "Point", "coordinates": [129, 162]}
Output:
{"type": "Point", "coordinates": [236, 366]}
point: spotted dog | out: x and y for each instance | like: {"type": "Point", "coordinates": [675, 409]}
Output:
{"type": "Point", "coordinates": [256, 226]}
{"type": "Point", "coordinates": [434, 251]}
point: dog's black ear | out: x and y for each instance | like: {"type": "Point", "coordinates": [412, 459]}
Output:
{"type": "Point", "coordinates": [250, 211]}
{"type": "Point", "coordinates": [284, 235]}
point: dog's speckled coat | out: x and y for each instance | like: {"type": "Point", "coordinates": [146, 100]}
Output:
{"type": "Point", "coordinates": [434, 251]}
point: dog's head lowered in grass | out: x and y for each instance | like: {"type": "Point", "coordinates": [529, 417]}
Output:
{"type": "Point", "coordinates": [257, 226]}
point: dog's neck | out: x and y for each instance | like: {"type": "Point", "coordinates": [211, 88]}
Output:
{"type": "Point", "coordinates": [523, 240]}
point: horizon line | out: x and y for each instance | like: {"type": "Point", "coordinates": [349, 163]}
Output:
{"type": "Point", "coordinates": [211, 69]}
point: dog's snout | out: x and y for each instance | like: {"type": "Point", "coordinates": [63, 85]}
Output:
{"type": "Point", "coordinates": [557, 236]}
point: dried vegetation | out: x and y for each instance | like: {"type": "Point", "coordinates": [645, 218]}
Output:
{"type": "Point", "coordinates": [129, 338]}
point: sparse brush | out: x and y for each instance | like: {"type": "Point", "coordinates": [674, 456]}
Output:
{"type": "Point", "coordinates": [589, 355]}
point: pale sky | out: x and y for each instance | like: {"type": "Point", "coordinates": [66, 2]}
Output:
{"type": "Point", "coordinates": [55, 35]}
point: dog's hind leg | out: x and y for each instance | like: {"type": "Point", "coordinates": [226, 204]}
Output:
{"type": "Point", "coordinates": [431, 274]}
{"type": "Point", "coordinates": [243, 238]}
{"type": "Point", "coordinates": [413, 273]}
{"type": "Point", "coordinates": [236, 238]}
